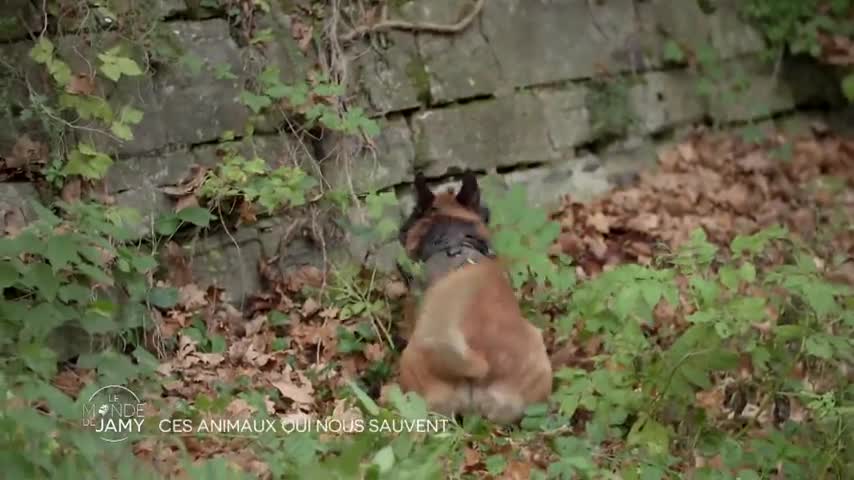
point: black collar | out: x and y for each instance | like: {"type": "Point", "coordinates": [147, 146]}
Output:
{"type": "Point", "coordinates": [451, 244]}
{"type": "Point", "coordinates": [445, 261]}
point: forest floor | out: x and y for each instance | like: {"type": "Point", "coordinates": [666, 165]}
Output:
{"type": "Point", "coordinates": [298, 344]}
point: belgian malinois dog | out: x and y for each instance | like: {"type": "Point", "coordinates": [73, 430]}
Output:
{"type": "Point", "coordinates": [471, 350]}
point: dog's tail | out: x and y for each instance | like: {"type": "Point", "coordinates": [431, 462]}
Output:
{"type": "Point", "coordinates": [440, 320]}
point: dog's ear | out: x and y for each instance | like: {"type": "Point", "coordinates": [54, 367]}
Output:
{"type": "Point", "coordinates": [469, 194]}
{"type": "Point", "coordinates": [423, 195]}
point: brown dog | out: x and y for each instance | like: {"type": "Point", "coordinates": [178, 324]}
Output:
{"type": "Point", "coordinates": [471, 350]}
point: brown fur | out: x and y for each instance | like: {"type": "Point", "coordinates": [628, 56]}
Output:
{"type": "Point", "coordinates": [472, 351]}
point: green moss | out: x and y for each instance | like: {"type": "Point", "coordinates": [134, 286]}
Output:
{"type": "Point", "coordinates": [417, 73]}
{"type": "Point", "coordinates": [8, 27]}
{"type": "Point", "coordinates": [397, 5]}
{"type": "Point", "coordinates": [611, 112]}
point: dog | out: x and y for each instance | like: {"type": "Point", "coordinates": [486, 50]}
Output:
{"type": "Point", "coordinates": [471, 351]}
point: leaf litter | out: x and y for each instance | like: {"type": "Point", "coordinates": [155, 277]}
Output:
{"type": "Point", "coordinates": [286, 343]}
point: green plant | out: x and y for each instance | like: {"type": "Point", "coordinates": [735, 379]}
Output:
{"type": "Point", "coordinates": [725, 325]}
{"type": "Point", "coordinates": [357, 297]}
{"type": "Point", "coordinates": [254, 181]}
{"type": "Point", "coordinates": [798, 25]}
{"type": "Point", "coordinates": [78, 96]}
{"type": "Point", "coordinates": [315, 100]}
{"type": "Point", "coordinates": [523, 235]}
{"type": "Point", "coordinates": [61, 275]}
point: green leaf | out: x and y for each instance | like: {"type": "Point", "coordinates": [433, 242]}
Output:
{"type": "Point", "coordinates": [8, 274]}
{"type": "Point", "coordinates": [384, 459]}
{"type": "Point", "coordinates": [363, 397]}
{"type": "Point", "coordinates": [673, 52]}
{"type": "Point", "coordinates": [42, 52]}
{"type": "Point", "coordinates": [40, 276]}
{"type": "Point", "coordinates": [38, 358]}
{"type": "Point", "coordinates": [495, 464]}
{"type": "Point", "coordinates": [121, 130]}
{"type": "Point", "coordinates": [87, 162]}
{"type": "Point", "coordinates": [649, 433]}
{"type": "Point", "coordinates": [95, 274]}
{"type": "Point", "coordinates": [198, 216]}
{"type": "Point", "coordinates": [706, 290]}
{"type": "Point", "coordinates": [58, 402]}
{"type": "Point", "coordinates": [113, 67]}
{"type": "Point", "coordinates": [626, 300]}
{"type": "Point", "coordinates": [819, 346]}
{"type": "Point", "coordinates": [537, 410]}
{"type": "Point", "coordinates": [747, 272]}
{"type": "Point", "coordinates": [45, 215]}
{"type": "Point", "coordinates": [193, 62]}
{"type": "Point", "coordinates": [223, 72]}
{"type": "Point", "coordinates": [115, 368]}
{"type": "Point", "coordinates": [848, 87]}
{"type": "Point", "coordinates": [103, 307]}
{"type": "Point", "coordinates": [128, 66]}
{"type": "Point", "coordinates": [218, 344]}
{"type": "Point", "coordinates": [652, 292]}
{"type": "Point", "coordinates": [130, 115]}
{"type": "Point", "coordinates": [40, 320]}
{"type": "Point", "coordinates": [163, 297]}
{"type": "Point", "coordinates": [75, 292]}
{"type": "Point", "coordinates": [143, 263]}
{"type": "Point", "coordinates": [60, 72]}
{"type": "Point", "coordinates": [111, 71]}
{"type": "Point", "coordinates": [96, 322]}
{"type": "Point", "coordinates": [695, 375]}
{"type": "Point", "coordinates": [786, 333]}
{"type": "Point", "coordinates": [729, 277]}
{"type": "Point", "coordinates": [278, 319]}
{"type": "Point", "coordinates": [255, 102]}
{"type": "Point", "coordinates": [167, 225]}
{"type": "Point", "coordinates": [820, 297]}
{"type": "Point", "coordinates": [61, 251]}
{"type": "Point", "coordinates": [145, 359]}
{"type": "Point", "coordinates": [745, 474]}
{"type": "Point", "coordinates": [410, 405]}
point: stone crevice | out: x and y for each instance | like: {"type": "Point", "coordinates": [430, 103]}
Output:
{"type": "Point", "coordinates": [479, 25]}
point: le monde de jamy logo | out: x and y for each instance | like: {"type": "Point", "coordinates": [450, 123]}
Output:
{"type": "Point", "coordinates": [114, 412]}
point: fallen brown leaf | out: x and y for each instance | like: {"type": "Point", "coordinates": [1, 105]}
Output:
{"type": "Point", "coordinates": [71, 190]}
{"type": "Point", "coordinates": [600, 222]}
{"type": "Point", "coordinates": [310, 307]}
{"type": "Point", "coordinates": [188, 186]}
{"type": "Point", "coordinates": [186, 201]}
{"type": "Point", "coordinates": [516, 470]}
{"type": "Point", "coordinates": [26, 152]}
{"type": "Point", "coordinates": [81, 84]}
{"type": "Point", "coordinates": [13, 221]}
{"type": "Point", "coordinates": [395, 290]}
{"type": "Point", "coordinates": [191, 297]}
{"type": "Point", "coordinates": [293, 392]}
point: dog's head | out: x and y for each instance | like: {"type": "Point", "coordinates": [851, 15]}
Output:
{"type": "Point", "coordinates": [444, 217]}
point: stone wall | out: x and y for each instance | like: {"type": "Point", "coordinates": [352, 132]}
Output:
{"type": "Point", "coordinates": [519, 93]}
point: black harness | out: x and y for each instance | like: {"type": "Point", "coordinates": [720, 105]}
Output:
{"type": "Point", "coordinates": [450, 244]}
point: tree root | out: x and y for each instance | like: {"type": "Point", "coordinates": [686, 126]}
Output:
{"type": "Point", "coordinates": [385, 25]}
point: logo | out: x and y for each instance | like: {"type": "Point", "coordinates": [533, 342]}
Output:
{"type": "Point", "coordinates": [114, 412]}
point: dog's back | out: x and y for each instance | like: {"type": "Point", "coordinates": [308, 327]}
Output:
{"type": "Point", "coordinates": [472, 351]}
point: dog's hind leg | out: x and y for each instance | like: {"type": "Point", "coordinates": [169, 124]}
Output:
{"type": "Point", "coordinates": [454, 358]}
{"type": "Point", "coordinates": [443, 396]}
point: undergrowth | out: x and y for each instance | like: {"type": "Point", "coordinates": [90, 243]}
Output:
{"type": "Point", "coordinates": [805, 27]}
